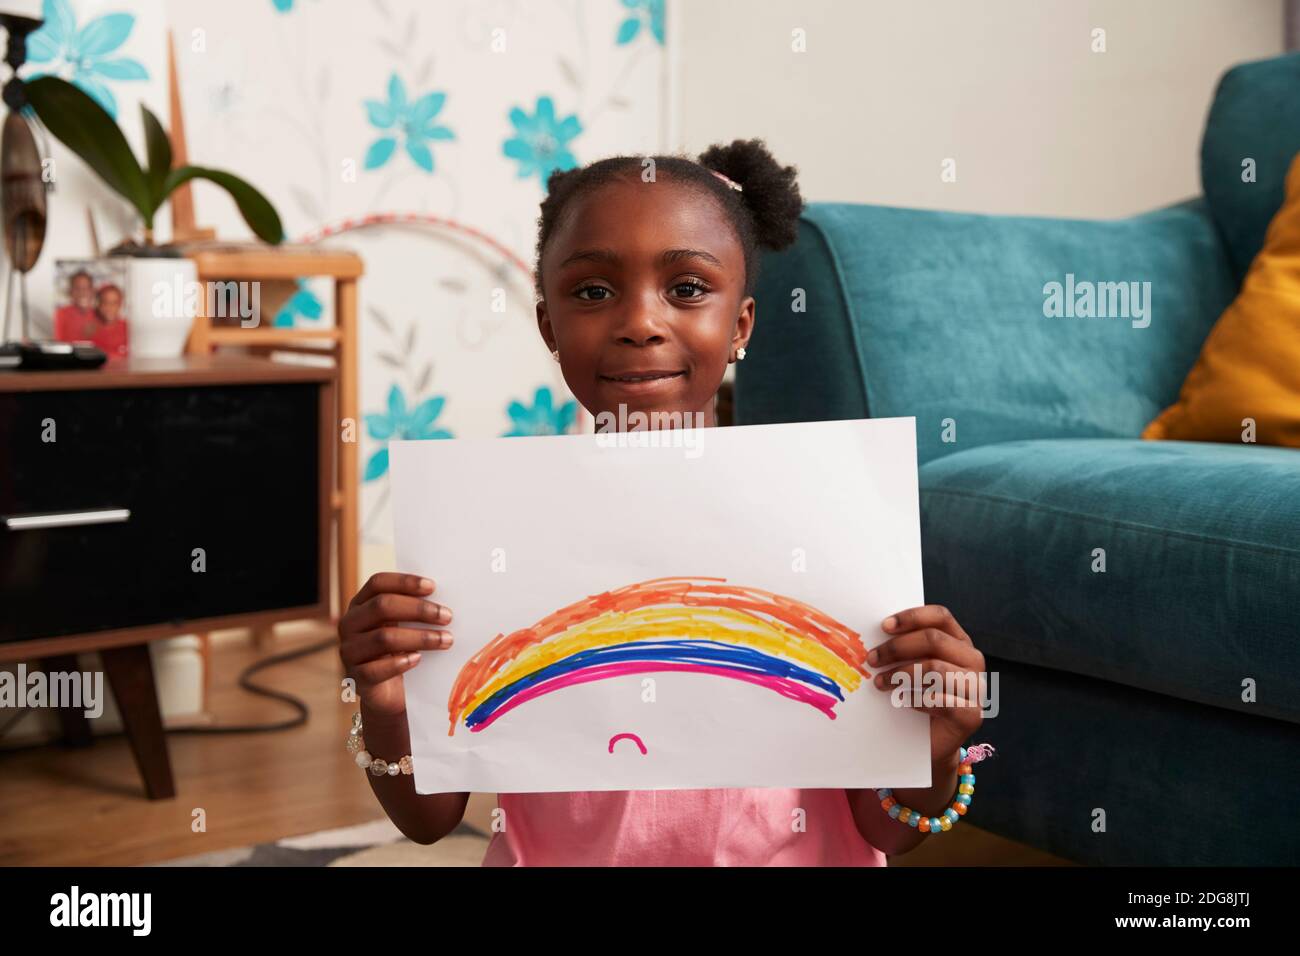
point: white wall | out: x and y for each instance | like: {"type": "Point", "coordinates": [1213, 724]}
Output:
{"type": "Point", "coordinates": [1038, 123]}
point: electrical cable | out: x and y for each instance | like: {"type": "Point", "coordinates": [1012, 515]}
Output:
{"type": "Point", "coordinates": [302, 711]}
{"type": "Point", "coordinates": [245, 682]}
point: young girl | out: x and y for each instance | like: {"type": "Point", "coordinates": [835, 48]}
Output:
{"type": "Point", "coordinates": [644, 284]}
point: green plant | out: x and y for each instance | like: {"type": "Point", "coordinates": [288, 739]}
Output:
{"type": "Point", "coordinates": [82, 125]}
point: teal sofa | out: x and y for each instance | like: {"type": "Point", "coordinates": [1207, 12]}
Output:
{"type": "Point", "coordinates": [1149, 713]}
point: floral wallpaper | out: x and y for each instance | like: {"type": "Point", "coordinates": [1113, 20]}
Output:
{"type": "Point", "coordinates": [88, 53]}
{"type": "Point", "coordinates": [415, 124]}
{"type": "Point", "coordinates": [419, 135]}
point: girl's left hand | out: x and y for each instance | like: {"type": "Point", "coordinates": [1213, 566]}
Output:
{"type": "Point", "coordinates": [929, 641]}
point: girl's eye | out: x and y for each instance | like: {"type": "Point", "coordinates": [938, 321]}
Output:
{"type": "Point", "coordinates": [697, 288]}
{"type": "Point", "coordinates": [592, 288]}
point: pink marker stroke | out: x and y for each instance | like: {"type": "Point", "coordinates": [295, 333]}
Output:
{"type": "Point", "coordinates": [617, 737]}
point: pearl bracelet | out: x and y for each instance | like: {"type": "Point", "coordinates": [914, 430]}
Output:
{"type": "Point", "coordinates": [960, 802]}
{"type": "Point", "coordinates": [377, 768]}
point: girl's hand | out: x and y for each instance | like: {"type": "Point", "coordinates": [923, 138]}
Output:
{"type": "Point", "coordinates": [376, 649]}
{"type": "Point", "coordinates": [929, 641]}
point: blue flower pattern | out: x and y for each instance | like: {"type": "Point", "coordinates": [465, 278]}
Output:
{"type": "Point", "coordinates": [641, 12]}
{"type": "Point", "coordinates": [83, 56]}
{"type": "Point", "coordinates": [412, 123]}
{"type": "Point", "coordinates": [302, 304]}
{"type": "Point", "coordinates": [400, 423]}
{"type": "Point", "coordinates": [543, 418]}
{"type": "Point", "coordinates": [541, 142]}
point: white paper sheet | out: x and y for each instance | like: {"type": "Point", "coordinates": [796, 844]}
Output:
{"type": "Point", "coordinates": [513, 530]}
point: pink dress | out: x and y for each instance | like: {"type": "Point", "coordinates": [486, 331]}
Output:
{"type": "Point", "coordinates": [768, 827]}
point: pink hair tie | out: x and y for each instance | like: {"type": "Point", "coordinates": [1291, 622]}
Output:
{"type": "Point", "coordinates": [728, 180]}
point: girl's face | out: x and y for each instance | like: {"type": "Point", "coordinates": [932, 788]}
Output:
{"type": "Point", "coordinates": [643, 286]}
{"type": "Point", "coordinates": [83, 291]}
{"type": "Point", "coordinates": [110, 304]}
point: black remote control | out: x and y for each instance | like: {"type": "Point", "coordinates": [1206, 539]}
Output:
{"type": "Point", "coordinates": [49, 356]}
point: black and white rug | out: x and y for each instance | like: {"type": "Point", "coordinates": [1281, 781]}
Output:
{"type": "Point", "coordinates": [368, 844]}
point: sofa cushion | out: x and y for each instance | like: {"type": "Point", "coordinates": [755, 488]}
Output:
{"type": "Point", "coordinates": [942, 316]}
{"type": "Point", "coordinates": [1255, 116]}
{"type": "Point", "coordinates": [1201, 587]}
{"type": "Point", "coordinates": [1249, 369]}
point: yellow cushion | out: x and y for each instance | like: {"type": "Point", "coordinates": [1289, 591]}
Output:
{"type": "Point", "coordinates": [1249, 366]}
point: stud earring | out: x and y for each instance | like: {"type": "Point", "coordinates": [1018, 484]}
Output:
{"type": "Point", "coordinates": [740, 354]}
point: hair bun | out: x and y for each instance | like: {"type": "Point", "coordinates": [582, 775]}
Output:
{"type": "Point", "coordinates": [770, 191]}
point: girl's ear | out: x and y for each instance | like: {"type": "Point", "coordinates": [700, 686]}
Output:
{"type": "Point", "coordinates": [544, 326]}
{"type": "Point", "coordinates": [744, 326]}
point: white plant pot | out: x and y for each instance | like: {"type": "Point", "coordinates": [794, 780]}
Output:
{"type": "Point", "coordinates": [160, 306]}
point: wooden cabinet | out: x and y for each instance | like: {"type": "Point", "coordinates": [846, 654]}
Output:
{"type": "Point", "coordinates": [158, 498]}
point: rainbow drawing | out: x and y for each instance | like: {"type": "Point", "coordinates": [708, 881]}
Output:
{"type": "Point", "coordinates": [676, 624]}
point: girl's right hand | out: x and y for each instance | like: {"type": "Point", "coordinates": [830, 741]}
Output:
{"type": "Point", "coordinates": [376, 649]}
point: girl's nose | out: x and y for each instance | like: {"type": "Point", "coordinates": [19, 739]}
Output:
{"type": "Point", "coordinates": [641, 322]}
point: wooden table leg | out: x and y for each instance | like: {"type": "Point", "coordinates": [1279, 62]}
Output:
{"type": "Point", "coordinates": [263, 635]}
{"type": "Point", "coordinates": [349, 477]}
{"type": "Point", "coordinates": [130, 674]}
{"type": "Point", "coordinates": [199, 341]}
{"type": "Point", "coordinates": [72, 720]}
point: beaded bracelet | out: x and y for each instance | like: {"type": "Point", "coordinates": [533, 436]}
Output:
{"type": "Point", "coordinates": [378, 768]}
{"type": "Point", "coordinates": [960, 802]}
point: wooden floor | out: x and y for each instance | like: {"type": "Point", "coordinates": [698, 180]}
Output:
{"type": "Point", "coordinates": [86, 807]}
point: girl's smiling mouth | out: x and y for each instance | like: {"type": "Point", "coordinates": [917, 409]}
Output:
{"type": "Point", "coordinates": [642, 380]}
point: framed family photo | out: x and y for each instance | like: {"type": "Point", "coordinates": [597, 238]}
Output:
{"type": "Point", "coordinates": [90, 303]}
